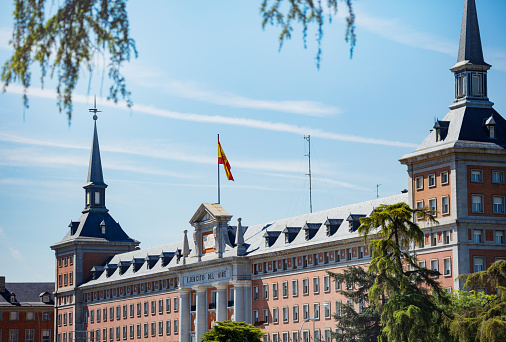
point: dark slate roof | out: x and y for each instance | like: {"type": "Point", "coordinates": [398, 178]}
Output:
{"type": "Point", "coordinates": [467, 128]}
{"type": "Point", "coordinates": [333, 222]}
{"type": "Point", "coordinates": [470, 42]}
{"type": "Point", "coordinates": [95, 175]}
{"type": "Point", "coordinates": [291, 230]}
{"type": "Point", "coordinates": [89, 227]}
{"type": "Point", "coordinates": [354, 217]}
{"type": "Point", "coordinates": [314, 226]}
{"type": "Point", "coordinates": [26, 293]}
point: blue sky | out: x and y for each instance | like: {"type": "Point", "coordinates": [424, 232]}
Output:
{"type": "Point", "coordinates": [206, 68]}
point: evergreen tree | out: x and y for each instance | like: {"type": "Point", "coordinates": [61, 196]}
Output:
{"type": "Point", "coordinates": [410, 313]}
{"type": "Point", "coordinates": [478, 317]}
{"type": "Point", "coordinates": [357, 326]}
{"type": "Point", "coordinates": [229, 331]}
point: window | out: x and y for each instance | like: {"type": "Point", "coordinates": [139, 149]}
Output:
{"type": "Point", "coordinates": [46, 335]}
{"type": "Point", "coordinates": [295, 313]}
{"type": "Point", "coordinates": [498, 177]}
{"type": "Point", "coordinates": [295, 336]}
{"type": "Point", "coordinates": [447, 266]}
{"type": "Point", "coordinates": [111, 313]}
{"type": "Point", "coordinates": [337, 285]}
{"type": "Point", "coordinates": [125, 311]}
{"type": "Point", "coordinates": [146, 308]}
{"type": "Point", "coordinates": [284, 289]}
{"type": "Point", "coordinates": [60, 283]}
{"type": "Point", "coordinates": [295, 287]}
{"type": "Point", "coordinates": [433, 206]}
{"type": "Point", "coordinates": [255, 316]}
{"type": "Point", "coordinates": [361, 306]}
{"type": "Point", "coordinates": [316, 310]}
{"type": "Point", "coordinates": [275, 315]}
{"type": "Point", "coordinates": [118, 312]}
{"type": "Point", "coordinates": [132, 310]}
{"type": "Point", "coordinates": [71, 260]}
{"type": "Point", "coordinates": [118, 333]}
{"type": "Point", "coordinates": [275, 337]}
{"type": "Point", "coordinates": [477, 237]}
{"type": "Point", "coordinates": [167, 327]}
{"type": "Point", "coordinates": [316, 284]}
{"type": "Point", "coordinates": [348, 253]}
{"type": "Point", "coordinates": [434, 265]}
{"type": "Point", "coordinates": [326, 309]}
{"type": "Point", "coordinates": [447, 237]}
{"type": "Point", "coordinates": [176, 327]}
{"type": "Point", "coordinates": [71, 278]}
{"type": "Point", "coordinates": [111, 334]}
{"type": "Point", "coordinates": [46, 316]}
{"type": "Point", "coordinates": [265, 291]}
{"type": "Point", "coordinates": [146, 333]}
{"type": "Point", "coordinates": [97, 197]}
{"type": "Point", "coordinates": [432, 180]}
{"type": "Point", "coordinates": [160, 328]}
{"type": "Point", "coordinates": [499, 237]}
{"type": "Point", "coordinates": [176, 305]}
{"type": "Point", "coordinates": [125, 331]}
{"type": "Point", "coordinates": [104, 314]}
{"type": "Point", "coordinates": [337, 256]}
{"type": "Point", "coordinates": [360, 252]}
{"type": "Point", "coordinates": [421, 263]}
{"type": "Point", "coordinates": [477, 203]}
{"type": "Point", "coordinates": [477, 85]}
{"type": "Point", "coordinates": [255, 292]}
{"type": "Point", "coordinates": [153, 329]}
{"type": "Point", "coordinates": [338, 307]}
{"type": "Point", "coordinates": [160, 306]}
{"type": "Point", "coordinates": [29, 333]}
{"type": "Point", "coordinates": [266, 316]}
{"type": "Point", "coordinates": [305, 336]}
{"type": "Point", "coordinates": [444, 177]}
{"type": "Point", "coordinates": [479, 264]}
{"type": "Point", "coordinates": [305, 286]}
{"type": "Point", "coordinates": [327, 335]}
{"type": "Point", "coordinates": [153, 307]}
{"type": "Point", "coordinates": [477, 176]}
{"type": "Point", "coordinates": [30, 316]}
{"type": "Point", "coordinates": [305, 311]}
{"type": "Point", "coordinates": [498, 204]}
{"type": "Point", "coordinates": [65, 317]}
{"type": "Point", "coordinates": [326, 283]}
{"type": "Point", "coordinates": [445, 205]}
{"type": "Point", "coordinates": [420, 205]}
{"type": "Point", "coordinates": [419, 183]}
{"type": "Point", "coordinates": [104, 335]}
{"type": "Point", "coordinates": [433, 239]}
{"type": "Point", "coordinates": [92, 316]}
{"type": "Point", "coordinates": [274, 290]}
{"type": "Point", "coordinates": [167, 305]}
{"type": "Point", "coordinates": [285, 314]}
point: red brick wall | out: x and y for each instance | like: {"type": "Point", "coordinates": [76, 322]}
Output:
{"type": "Point", "coordinates": [437, 191]}
{"type": "Point", "coordinates": [21, 324]}
{"type": "Point", "coordinates": [485, 188]}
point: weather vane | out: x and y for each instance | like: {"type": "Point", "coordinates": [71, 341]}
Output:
{"type": "Point", "coordinates": [95, 110]}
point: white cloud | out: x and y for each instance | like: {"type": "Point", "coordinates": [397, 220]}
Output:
{"type": "Point", "coordinates": [15, 253]}
{"type": "Point", "coordinates": [218, 119]}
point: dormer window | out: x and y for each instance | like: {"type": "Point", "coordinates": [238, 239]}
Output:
{"type": "Point", "coordinates": [267, 242]}
{"type": "Point", "coordinates": [287, 238]}
{"type": "Point", "coordinates": [102, 227]}
{"type": "Point", "coordinates": [306, 234]}
{"type": "Point", "coordinates": [13, 298]}
{"type": "Point", "coordinates": [490, 124]}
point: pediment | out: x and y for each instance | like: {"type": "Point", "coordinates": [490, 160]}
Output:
{"type": "Point", "coordinates": [209, 213]}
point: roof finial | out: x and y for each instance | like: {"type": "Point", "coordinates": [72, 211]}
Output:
{"type": "Point", "coordinates": [94, 109]}
{"type": "Point", "coordinates": [470, 49]}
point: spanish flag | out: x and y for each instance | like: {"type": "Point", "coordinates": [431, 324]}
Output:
{"type": "Point", "coordinates": [222, 159]}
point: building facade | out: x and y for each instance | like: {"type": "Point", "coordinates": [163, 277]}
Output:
{"type": "Point", "coordinates": [274, 275]}
{"type": "Point", "coordinates": [26, 312]}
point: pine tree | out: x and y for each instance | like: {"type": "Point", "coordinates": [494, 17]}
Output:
{"type": "Point", "coordinates": [363, 325]}
{"type": "Point", "coordinates": [229, 331]}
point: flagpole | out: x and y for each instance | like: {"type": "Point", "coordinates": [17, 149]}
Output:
{"type": "Point", "coordinates": [218, 170]}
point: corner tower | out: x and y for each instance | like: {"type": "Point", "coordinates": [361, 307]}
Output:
{"type": "Point", "coordinates": [90, 241]}
{"type": "Point", "coordinates": [458, 170]}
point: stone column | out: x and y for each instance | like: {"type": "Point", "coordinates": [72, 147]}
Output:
{"type": "Point", "coordinates": [240, 300]}
{"type": "Point", "coordinates": [184, 315]}
{"type": "Point", "coordinates": [221, 302]}
{"type": "Point", "coordinates": [201, 313]}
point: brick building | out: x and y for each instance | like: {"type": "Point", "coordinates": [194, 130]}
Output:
{"type": "Point", "coordinates": [26, 312]}
{"type": "Point", "coordinates": [273, 275]}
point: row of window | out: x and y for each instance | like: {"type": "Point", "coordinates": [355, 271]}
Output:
{"type": "Point", "coordinates": [433, 207]}
{"type": "Point", "coordinates": [99, 315]}
{"type": "Point", "coordinates": [29, 335]}
{"type": "Point", "coordinates": [66, 279]}
{"type": "Point", "coordinates": [66, 299]}
{"type": "Point", "coordinates": [30, 316]}
{"type": "Point", "coordinates": [306, 336]}
{"type": "Point", "coordinates": [431, 180]}
{"type": "Point", "coordinates": [62, 319]}
{"type": "Point", "coordinates": [65, 261]}
{"type": "Point", "coordinates": [434, 265]}
{"type": "Point", "coordinates": [131, 331]}
{"type": "Point", "coordinates": [295, 288]}
{"type": "Point", "coordinates": [477, 236]}
{"type": "Point", "coordinates": [267, 316]}
{"type": "Point", "coordinates": [479, 263]}
{"type": "Point", "coordinates": [477, 176]}
{"type": "Point", "coordinates": [311, 260]}
{"type": "Point", "coordinates": [478, 204]}
{"type": "Point", "coordinates": [122, 291]}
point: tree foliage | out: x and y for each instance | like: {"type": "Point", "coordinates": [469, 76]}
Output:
{"type": "Point", "coordinates": [68, 40]}
{"type": "Point", "coordinates": [229, 331]}
{"type": "Point", "coordinates": [479, 317]}
{"type": "Point", "coordinates": [356, 326]}
{"type": "Point", "coordinates": [305, 13]}
{"type": "Point", "coordinates": [411, 313]}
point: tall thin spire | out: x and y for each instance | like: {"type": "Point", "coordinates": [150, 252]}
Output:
{"type": "Point", "coordinates": [95, 175]}
{"type": "Point", "coordinates": [470, 49]}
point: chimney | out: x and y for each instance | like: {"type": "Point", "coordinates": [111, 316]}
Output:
{"type": "Point", "coordinates": [2, 284]}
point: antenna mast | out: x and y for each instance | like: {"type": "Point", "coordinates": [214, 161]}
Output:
{"type": "Point", "coordinates": [308, 138]}
{"type": "Point", "coordinates": [377, 190]}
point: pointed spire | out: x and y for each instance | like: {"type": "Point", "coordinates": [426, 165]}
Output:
{"type": "Point", "coordinates": [470, 49]}
{"type": "Point", "coordinates": [95, 175]}
{"type": "Point", "coordinates": [186, 247]}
